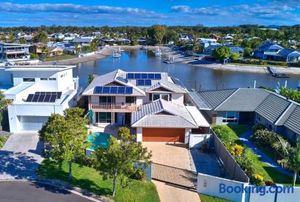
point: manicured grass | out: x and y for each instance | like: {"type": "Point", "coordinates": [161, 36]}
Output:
{"type": "Point", "coordinates": [206, 198]}
{"type": "Point", "coordinates": [60, 57]}
{"type": "Point", "coordinates": [239, 129]}
{"type": "Point", "coordinates": [230, 135]}
{"type": "Point", "coordinates": [89, 179]}
{"type": "Point", "coordinates": [2, 140]}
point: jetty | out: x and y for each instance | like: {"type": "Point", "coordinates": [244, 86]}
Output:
{"type": "Point", "coordinates": [274, 73]}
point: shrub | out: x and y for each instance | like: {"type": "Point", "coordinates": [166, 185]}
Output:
{"type": "Point", "coordinates": [246, 162]}
{"type": "Point", "coordinates": [139, 174]}
{"type": "Point", "coordinates": [2, 141]}
{"type": "Point", "coordinates": [257, 127]}
{"type": "Point", "coordinates": [257, 179]}
{"type": "Point", "coordinates": [237, 150]}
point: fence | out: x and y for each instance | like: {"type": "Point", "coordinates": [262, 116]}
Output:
{"type": "Point", "coordinates": [231, 166]}
{"type": "Point", "coordinates": [197, 140]}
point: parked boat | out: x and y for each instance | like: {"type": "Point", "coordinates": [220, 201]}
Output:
{"type": "Point", "coordinates": [169, 60]}
{"type": "Point", "coordinates": [274, 73]}
{"type": "Point", "coordinates": [157, 52]}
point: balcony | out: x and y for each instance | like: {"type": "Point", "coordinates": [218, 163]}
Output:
{"type": "Point", "coordinates": [114, 107]}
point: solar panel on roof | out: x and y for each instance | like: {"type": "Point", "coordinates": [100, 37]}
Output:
{"type": "Point", "coordinates": [150, 76]}
{"type": "Point", "coordinates": [148, 82]}
{"type": "Point", "coordinates": [113, 90]}
{"type": "Point", "coordinates": [52, 98]}
{"type": "Point", "coordinates": [47, 98]}
{"type": "Point", "coordinates": [137, 76]}
{"type": "Point", "coordinates": [29, 98]}
{"type": "Point", "coordinates": [59, 95]}
{"type": "Point", "coordinates": [98, 89]}
{"type": "Point", "coordinates": [140, 82]}
{"type": "Point", "coordinates": [157, 76]}
{"type": "Point", "coordinates": [128, 90]}
{"type": "Point", "coordinates": [35, 98]}
{"type": "Point", "coordinates": [144, 76]}
{"type": "Point", "coordinates": [121, 90]}
{"type": "Point", "coordinates": [106, 89]}
{"type": "Point", "coordinates": [41, 98]}
{"type": "Point", "coordinates": [130, 76]}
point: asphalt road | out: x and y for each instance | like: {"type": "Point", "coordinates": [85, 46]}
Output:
{"type": "Point", "coordinates": [33, 192]}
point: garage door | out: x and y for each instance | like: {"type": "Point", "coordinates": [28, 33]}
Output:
{"type": "Point", "coordinates": [32, 123]}
{"type": "Point", "coordinates": [163, 134]}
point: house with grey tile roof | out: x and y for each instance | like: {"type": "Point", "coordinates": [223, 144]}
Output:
{"type": "Point", "coordinates": [250, 106]}
{"type": "Point", "coordinates": [151, 102]}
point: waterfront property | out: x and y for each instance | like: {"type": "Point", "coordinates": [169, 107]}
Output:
{"type": "Point", "coordinates": [250, 106]}
{"type": "Point", "coordinates": [12, 52]}
{"type": "Point", "coordinates": [152, 103]}
{"type": "Point", "coordinates": [37, 92]}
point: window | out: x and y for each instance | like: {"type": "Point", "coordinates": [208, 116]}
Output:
{"type": "Point", "coordinates": [44, 79]}
{"type": "Point", "coordinates": [105, 99]}
{"type": "Point", "coordinates": [52, 79]}
{"type": "Point", "coordinates": [103, 117]}
{"type": "Point", "coordinates": [230, 117]}
{"type": "Point", "coordinates": [155, 97]}
{"type": "Point", "coordinates": [130, 99]}
{"type": "Point", "coordinates": [29, 79]}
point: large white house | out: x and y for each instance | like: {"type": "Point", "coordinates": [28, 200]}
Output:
{"type": "Point", "coordinates": [12, 52]}
{"type": "Point", "coordinates": [150, 102]}
{"type": "Point", "coordinates": [37, 92]}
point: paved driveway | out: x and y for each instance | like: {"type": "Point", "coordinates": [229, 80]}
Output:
{"type": "Point", "coordinates": [20, 157]}
{"type": "Point", "coordinates": [170, 154]}
{"type": "Point", "coordinates": [29, 192]}
{"type": "Point", "coordinates": [175, 155]}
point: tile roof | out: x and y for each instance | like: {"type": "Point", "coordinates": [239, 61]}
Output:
{"type": "Point", "coordinates": [244, 100]}
{"type": "Point", "coordinates": [272, 107]}
{"type": "Point", "coordinates": [215, 98]}
{"type": "Point", "coordinates": [199, 101]}
{"type": "Point", "coordinates": [293, 122]}
{"type": "Point", "coordinates": [161, 113]}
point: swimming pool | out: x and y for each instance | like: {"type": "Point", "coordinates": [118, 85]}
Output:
{"type": "Point", "coordinates": [98, 140]}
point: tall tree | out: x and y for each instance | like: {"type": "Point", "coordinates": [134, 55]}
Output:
{"type": "Point", "coordinates": [221, 53]}
{"type": "Point", "coordinates": [66, 135]}
{"type": "Point", "coordinates": [118, 160]}
{"type": "Point", "coordinates": [41, 37]}
{"type": "Point", "coordinates": [157, 33]}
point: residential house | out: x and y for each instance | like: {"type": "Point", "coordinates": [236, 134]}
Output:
{"type": "Point", "coordinates": [205, 42]}
{"type": "Point", "coordinates": [293, 57]}
{"type": "Point", "coordinates": [12, 52]}
{"type": "Point", "coordinates": [83, 41]}
{"type": "Point", "coordinates": [150, 102]}
{"type": "Point", "coordinates": [38, 91]}
{"type": "Point", "coordinates": [56, 51]}
{"type": "Point", "coordinates": [250, 106]}
{"type": "Point", "coordinates": [186, 37]}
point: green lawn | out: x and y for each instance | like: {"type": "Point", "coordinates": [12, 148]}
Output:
{"type": "Point", "coordinates": [2, 140]}
{"type": "Point", "coordinates": [230, 134]}
{"type": "Point", "coordinates": [60, 57]}
{"type": "Point", "coordinates": [89, 179]}
{"type": "Point", "coordinates": [206, 198]}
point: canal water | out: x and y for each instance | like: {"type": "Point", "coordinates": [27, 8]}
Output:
{"type": "Point", "coordinates": [198, 78]}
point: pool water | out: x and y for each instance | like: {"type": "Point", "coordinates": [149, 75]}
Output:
{"type": "Point", "coordinates": [98, 140]}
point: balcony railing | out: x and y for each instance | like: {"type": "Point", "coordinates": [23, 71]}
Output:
{"type": "Point", "coordinates": [122, 107]}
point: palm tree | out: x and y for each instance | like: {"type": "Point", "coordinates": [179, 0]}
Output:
{"type": "Point", "coordinates": [292, 161]}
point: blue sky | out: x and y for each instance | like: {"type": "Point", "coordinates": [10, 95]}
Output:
{"type": "Point", "coordinates": [149, 12]}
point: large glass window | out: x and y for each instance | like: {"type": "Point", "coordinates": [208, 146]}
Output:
{"type": "Point", "coordinates": [106, 100]}
{"type": "Point", "coordinates": [29, 79]}
{"type": "Point", "coordinates": [103, 117]}
{"type": "Point", "coordinates": [156, 96]}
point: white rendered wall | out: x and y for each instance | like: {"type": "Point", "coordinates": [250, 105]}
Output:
{"type": "Point", "coordinates": [139, 134]}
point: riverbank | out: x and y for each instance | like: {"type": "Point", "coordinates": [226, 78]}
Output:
{"type": "Point", "coordinates": [249, 68]}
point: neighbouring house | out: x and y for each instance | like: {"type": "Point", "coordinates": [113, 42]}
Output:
{"type": "Point", "coordinates": [38, 91]}
{"type": "Point", "coordinates": [186, 37]}
{"type": "Point", "coordinates": [272, 51]}
{"type": "Point", "coordinates": [293, 57]}
{"type": "Point", "coordinates": [56, 52]}
{"type": "Point", "coordinates": [250, 106]}
{"type": "Point", "coordinates": [205, 42]}
{"type": "Point", "coordinates": [82, 41]}
{"type": "Point", "coordinates": [151, 102]}
{"type": "Point", "coordinates": [12, 52]}
{"type": "Point", "coordinates": [233, 49]}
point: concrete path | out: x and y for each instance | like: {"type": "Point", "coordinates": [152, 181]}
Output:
{"type": "Point", "coordinates": [263, 157]}
{"type": "Point", "coordinates": [169, 193]}
{"type": "Point", "coordinates": [20, 157]}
